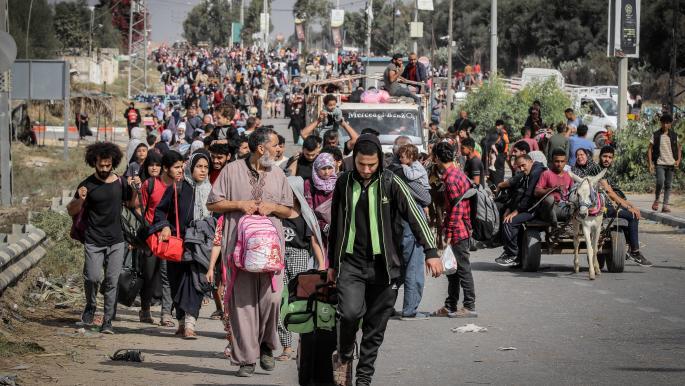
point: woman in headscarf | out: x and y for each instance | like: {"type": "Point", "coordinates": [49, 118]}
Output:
{"type": "Point", "coordinates": [136, 153]}
{"type": "Point", "coordinates": [585, 166]}
{"type": "Point", "coordinates": [319, 190]}
{"type": "Point", "coordinates": [163, 145]}
{"type": "Point", "coordinates": [191, 195]}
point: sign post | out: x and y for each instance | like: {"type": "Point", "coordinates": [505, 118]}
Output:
{"type": "Point", "coordinates": [623, 41]}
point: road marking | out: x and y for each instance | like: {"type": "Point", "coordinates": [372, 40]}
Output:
{"type": "Point", "coordinates": [673, 319]}
{"type": "Point", "coordinates": [648, 309]}
{"type": "Point", "coordinates": [624, 300]}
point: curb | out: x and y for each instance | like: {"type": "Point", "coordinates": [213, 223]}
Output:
{"type": "Point", "coordinates": [663, 218]}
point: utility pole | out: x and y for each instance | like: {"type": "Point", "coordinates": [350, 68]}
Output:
{"type": "Point", "coordinates": [90, 36]}
{"type": "Point", "coordinates": [242, 21]}
{"type": "Point", "coordinates": [28, 28]}
{"type": "Point", "coordinates": [493, 38]}
{"type": "Point", "coordinates": [266, 26]}
{"type": "Point", "coordinates": [5, 138]}
{"type": "Point", "coordinates": [369, 20]}
{"type": "Point", "coordinates": [449, 60]}
{"type": "Point", "coordinates": [416, 20]}
{"type": "Point", "coordinates": [674, 55]}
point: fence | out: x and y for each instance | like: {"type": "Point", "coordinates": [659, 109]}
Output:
{"type": "Point", "coordinates": [19, 252]}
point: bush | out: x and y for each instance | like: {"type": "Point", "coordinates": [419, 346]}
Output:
{"type": "Point", "coordinates": [64, 258]}
{"type": "Point", "coordinates": [631, 152]}
{"type": "Point", "coordinates": [493, 101]}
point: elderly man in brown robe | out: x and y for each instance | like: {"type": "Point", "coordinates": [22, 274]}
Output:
{"type": "Point", "coordinates": [246, 187]}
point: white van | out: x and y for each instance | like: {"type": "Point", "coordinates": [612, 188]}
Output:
{"type": "Point", "coordinates": [600, 115]}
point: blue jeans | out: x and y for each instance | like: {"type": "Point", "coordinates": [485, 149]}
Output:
{"type": "Point", "coordinates": [414, 260]}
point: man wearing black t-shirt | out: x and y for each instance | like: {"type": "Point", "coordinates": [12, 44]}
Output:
{"type": "Point", "coordinates": [473, 167]}
{"type": "Point", "coordinates": [101, 197]}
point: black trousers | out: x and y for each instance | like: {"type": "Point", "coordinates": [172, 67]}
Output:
{"type": "Point", "coordinates": [363, 293]}
{"type": "Point", "coordinates": [461, 279]}
{"type": "Point", "coordinates": [149, 266]}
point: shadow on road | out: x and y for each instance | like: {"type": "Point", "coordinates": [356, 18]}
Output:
{"type": "Point", "coordinates": [173, 367]}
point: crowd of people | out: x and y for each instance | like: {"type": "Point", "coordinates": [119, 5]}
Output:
{"type": "Point", "coordinates": [373, 221]}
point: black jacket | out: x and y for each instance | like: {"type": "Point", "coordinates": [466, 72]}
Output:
{"type": "Point", "coordinates": [396, 202]}
{"type": "Point", "coordinates": [525, 185]}
{"type": "Point", "coordinates": [656, 146]}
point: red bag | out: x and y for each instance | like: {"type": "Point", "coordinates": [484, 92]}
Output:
{"type": "Point", "coordinates": [172, 249]}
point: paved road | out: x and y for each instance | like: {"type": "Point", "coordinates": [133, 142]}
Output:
{"type": "Point", "coordinates": [620, 329]}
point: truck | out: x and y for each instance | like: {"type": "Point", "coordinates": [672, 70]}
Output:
{"type": "Point", "coordinates": [398, 116]}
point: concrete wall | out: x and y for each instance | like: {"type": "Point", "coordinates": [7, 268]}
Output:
{"type": "Point", "coordinates": [101, 67]}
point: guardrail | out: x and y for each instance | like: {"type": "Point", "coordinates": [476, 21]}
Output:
{"type": "Point", "coordinates": [19, 252]}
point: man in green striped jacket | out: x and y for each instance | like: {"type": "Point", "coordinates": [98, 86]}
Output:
{"type": "Point", "coordinates": [365, 254]}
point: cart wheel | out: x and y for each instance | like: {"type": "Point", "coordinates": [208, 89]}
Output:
{"type": "Point", "coordinates": [616, 260]}
{"type": "Point", "coordinates": [531, 250]}
{"type": "Point", "coordinates": [601, 258]}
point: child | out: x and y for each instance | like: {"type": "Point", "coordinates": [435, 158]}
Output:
{"type": "Point", "coordinates": [214, 257]}
{"type": "Point", "coordinates": [331, 116]}
{"type": "Point", "coordinates": [413, 169]}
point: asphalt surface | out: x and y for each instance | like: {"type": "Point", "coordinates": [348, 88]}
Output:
{"type": "Point", "coordinates": [626, 328]}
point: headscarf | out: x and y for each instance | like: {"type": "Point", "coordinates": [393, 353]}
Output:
{"type": "Point", "coordinates": [324, 160]}
{"type": "Point", "coordinates": [201, 189]}
{"type": "Point", "coordinates": [138, 133]}
{"type": "Point", "coordinates": [133, 145]}
{"type": "Point", "coordinates": [538, 156]}
{"type": "Point", "coordinates": [196, 145]}
{"type": "Point", "coordinates": [589, 169]}
{"type": "Point", "coordinates": [166, 136]}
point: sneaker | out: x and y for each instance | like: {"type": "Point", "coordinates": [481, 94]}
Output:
{"type": "Point", "coordinates": [245, 371]}
{"type": "Point", "coordinates": [640, 259]}
{"type": "Point", "coordinates": [464, 313]}
{"type": "Point", "coordinates": [106, 328]}
{"type": "Point", "coordinates": [87, 317]}
{"type": "Point", "coordinates": [506, 260]}
{"type": "Point", "coordinates": [266, 360]}
{"type": "Point", "coordinates": [342, 371]}
{"type": "Point", "coordinates": [417, 316]}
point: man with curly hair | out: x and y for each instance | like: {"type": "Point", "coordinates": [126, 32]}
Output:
{"type": "Point", "coordinates": [101, 197]}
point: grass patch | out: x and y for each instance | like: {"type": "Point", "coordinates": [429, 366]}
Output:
{"type": "Point", "coordinates": [64, 257]}
{"type": "Point", "coordinates": [9, 348]}
{"type": "Point", "coordinates": [41, 173]}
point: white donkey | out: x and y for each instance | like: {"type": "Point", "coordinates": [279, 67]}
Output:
{"type": "Point", "coordinates": [589, 214]}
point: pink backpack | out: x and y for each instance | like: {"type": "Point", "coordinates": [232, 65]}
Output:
{"type": "Point", "coordinates": [258, 248]}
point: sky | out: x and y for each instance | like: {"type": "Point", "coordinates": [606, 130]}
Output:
{"type": "Point", "coordinates": [167, 16]}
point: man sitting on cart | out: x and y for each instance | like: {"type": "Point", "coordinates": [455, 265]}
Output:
{"type": "Point", "coordinates": [554, 186]}
{"type": "Point", "coordinates": [619, 206]}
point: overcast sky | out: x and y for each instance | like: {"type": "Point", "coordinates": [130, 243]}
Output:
{"type": "Point", "coordinates": [168, 16]}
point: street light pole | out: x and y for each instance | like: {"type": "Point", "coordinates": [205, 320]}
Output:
{"type": "Point", "coordinates": [449, 60]}
{"type": "Point", "coordinates": [242, 21]}
{"type": "Point", "coordinates": [266, 26]}
{"type": "Point", "coordinates": [416, 20]}
{"type": "Point", "coordinates": [392, 44]}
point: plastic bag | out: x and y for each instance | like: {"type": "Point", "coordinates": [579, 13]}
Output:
{"type": "Point", "coordinates": [449, 262]}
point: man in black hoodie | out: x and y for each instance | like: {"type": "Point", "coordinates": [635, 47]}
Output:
{"type": "Point", "coordinates": [365, 253]}
{"type": "Point", "coordinates": [523, 182]}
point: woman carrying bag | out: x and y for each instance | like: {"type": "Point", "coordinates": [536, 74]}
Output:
{"type": "Point", "coordinates": [181, 204]}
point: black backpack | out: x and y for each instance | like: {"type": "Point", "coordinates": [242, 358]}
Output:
{"type": "Point", "coordinates": [134, 226]}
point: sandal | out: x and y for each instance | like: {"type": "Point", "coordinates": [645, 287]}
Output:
{"type": "Point", "coordinates": [181, 331]}
{"type": "Point", "coordinates": [217, 315]}
{"type": "Point", "coordinates": [285, 356]}
{"type": "Point", "coordinates": [166, 322]}
{"type": "Point", "coordinates": [127, 355]}
{"type": "Point", "coordinates": [666, 209]}
{"type": "Point", "coordinates": [205, 301]}
{"type": "Point", "coordinates": [145, 317]}
{"type": "Point", "coordinates": [189, 334]}
{"type": "Point", "coordinates": [655, 205]}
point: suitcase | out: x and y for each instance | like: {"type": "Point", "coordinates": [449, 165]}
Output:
{"type": "Point", "coordinates": [315, 367]}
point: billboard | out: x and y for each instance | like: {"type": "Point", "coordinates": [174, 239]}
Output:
{"type": "Point", "coordinates": [40, 79]}
{"type": "Point", "coordinates": [623, 38]}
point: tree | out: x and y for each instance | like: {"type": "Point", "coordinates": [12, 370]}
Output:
{"type": "Point", "coordinates": [252, 20]}
{"type": "Point", "coordinates": [105, 33]}
{"type": "Point", "coordinates": [72, 24]}
{"type": "Point", "coordinates": [42, 42]}
{"type": "Point", "coordinates": [209, 21]}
